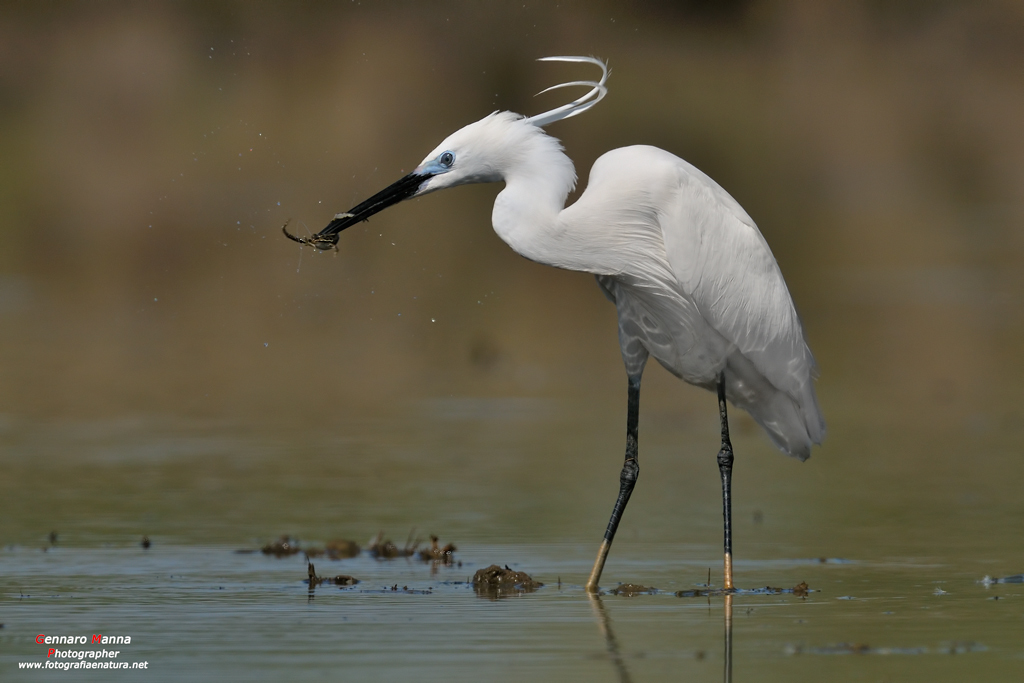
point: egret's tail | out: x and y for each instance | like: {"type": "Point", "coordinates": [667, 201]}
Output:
{"type": "Point", "coordinates": [793, 424]}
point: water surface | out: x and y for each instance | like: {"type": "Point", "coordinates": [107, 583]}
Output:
{"type": "Point", "coordinates": [893, 596]}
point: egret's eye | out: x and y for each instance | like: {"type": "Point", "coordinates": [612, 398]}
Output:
{"type": "Point", "coordinates": [446, 159]}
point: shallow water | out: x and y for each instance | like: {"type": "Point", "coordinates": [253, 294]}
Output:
{"type": "Point", "coordinates": [896, 592]}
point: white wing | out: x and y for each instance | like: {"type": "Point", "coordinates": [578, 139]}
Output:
{"type": "Point", "coordinates": [694, 282]}
{"type": "Point", "coordinates": [724, 265]}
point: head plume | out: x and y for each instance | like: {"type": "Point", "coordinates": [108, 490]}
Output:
{"type": "Point", "coordinates": [579, 105]}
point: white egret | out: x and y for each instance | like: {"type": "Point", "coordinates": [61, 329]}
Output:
{"type": "Point", "coordinates": [694, 282]}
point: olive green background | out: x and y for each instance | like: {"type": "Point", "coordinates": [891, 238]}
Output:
{"type": "Point", "coordinates": [170, 365]}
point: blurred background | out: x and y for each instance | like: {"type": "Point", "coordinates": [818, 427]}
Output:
{"type": "Point", "coordinates": [150, 152]}
{"type": "Point", "coordinates": [172, 366]}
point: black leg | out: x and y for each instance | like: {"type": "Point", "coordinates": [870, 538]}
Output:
{"type": "Point", "coordinates": [627, 480]}
{"type": "Point", "coordinates": [725, 468]}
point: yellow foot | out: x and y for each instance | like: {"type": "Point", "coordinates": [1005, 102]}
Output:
{"type": "Point", "coordinates": [595, 574]}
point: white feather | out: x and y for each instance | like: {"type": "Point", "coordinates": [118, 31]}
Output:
{"type": "Point", "coordinates": [694, 281]}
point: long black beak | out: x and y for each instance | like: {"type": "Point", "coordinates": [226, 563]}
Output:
{"type": "Point", "coordinates": [392, 194]}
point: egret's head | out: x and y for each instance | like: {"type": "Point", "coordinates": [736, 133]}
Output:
{"type": "Point", "coordinates": [482, 152]}
{"type": "Point", "coordinates": [465, 156]}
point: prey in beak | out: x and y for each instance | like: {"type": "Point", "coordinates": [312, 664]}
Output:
{"type": "Point", "coordinates": [392, 194]}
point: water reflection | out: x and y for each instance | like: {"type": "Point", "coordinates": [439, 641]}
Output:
{"type": "Point", "coordinates": [728, 638]}
{"type": "Point", "coordinates": [604, 623]}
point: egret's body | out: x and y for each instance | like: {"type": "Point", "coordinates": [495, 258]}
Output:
{"type": "Point", "coordinates": [694, 282]}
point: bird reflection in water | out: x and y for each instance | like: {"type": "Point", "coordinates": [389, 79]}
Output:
{"type": "Point", "coordinates": [728, 638]}
{"type": "Point", "coordinates": [604, 623]}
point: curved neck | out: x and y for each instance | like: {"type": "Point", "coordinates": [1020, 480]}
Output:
{"type": "Point", "coordinates": [530, 213]}
{"type": "Point", "coordinates": [525, 215]}
{"type": "Point", "coordinates": [530, 216]}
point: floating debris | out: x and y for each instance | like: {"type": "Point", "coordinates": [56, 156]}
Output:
{"type": "Point", "coordinates": [340, 549]}
{"type": "Point", "coordinates": [960, 647]}
{"type": "Point", "coordinates": [287, 546]}
{"type": "Point", "coordinates": [342, 580]}
{"type": "Point", "coordinates": [52, 538]}
{"type": "Point", "coordinates": [282, 547]}
{"type": "Point", "coordinates": [837, 649]}
{"type": "Point", "coordinates": [989, 580]}
{"type": "Point", "coordinates": [435, 553]}
{"type": "Point", "coordinates": [386, 549]}
{"type": "Point", "coordinates": [335, 550]}
{"type": "Point", "coordinates": [404, 589]}
{"type": "Point", "coordinates": [955, 648]}
{"type": "Point", "coordinates": [495, 582]}
{"type": "Point", "coordinates": [631, 589]}
{"type": "Point", "coordinates": [801, 590]}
